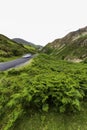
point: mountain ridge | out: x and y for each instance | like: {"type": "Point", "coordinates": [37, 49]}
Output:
{"type": "Point", "coordinates": [22, 41]}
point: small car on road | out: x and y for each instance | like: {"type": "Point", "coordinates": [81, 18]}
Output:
{"type": "Point", "coordinates": [27, 56]}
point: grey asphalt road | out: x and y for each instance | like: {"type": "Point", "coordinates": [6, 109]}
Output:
{"type": "Point", "coordinates": [14, 63]}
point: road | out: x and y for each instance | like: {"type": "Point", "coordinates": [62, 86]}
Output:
{"type": "Point", "coordinates": [13, 63]}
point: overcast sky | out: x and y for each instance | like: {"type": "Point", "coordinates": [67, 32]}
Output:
{"type": "Point", "coordinates": [41, 21]}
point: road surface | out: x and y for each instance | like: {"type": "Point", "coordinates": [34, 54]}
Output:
{"type": "Point", "coordinates": [14, 63]}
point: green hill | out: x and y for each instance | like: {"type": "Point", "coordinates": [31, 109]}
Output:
{"type": "Point", "coordinates": [24, 42]}
{"type": "Point", "coordinates": [71, 47]}
{"type": "Point", "coordinates": [9, 48]}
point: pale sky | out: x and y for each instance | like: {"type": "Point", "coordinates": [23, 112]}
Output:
{"type": "Point", "coordinates": [41, 21]}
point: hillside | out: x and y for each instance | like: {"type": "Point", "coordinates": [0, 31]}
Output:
{"type": "Point", "coordinates": [72, 46]}
{"type": "Point", "coordinates": [45, 94]}
{"type": "Point", "coordinates": [9, 48]}
{"type": "Point", "coordinates": [24, 42]}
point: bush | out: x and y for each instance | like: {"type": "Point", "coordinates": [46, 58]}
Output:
{"type": "Point", "coordinates": [46, 84]}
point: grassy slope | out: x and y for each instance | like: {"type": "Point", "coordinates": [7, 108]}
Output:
{"type": "Point", "coordinates": [10, 49]}
{"type": "Point", "coordinates": [67, 48]}
{"type": "Point", "coordinates": [77, 49]}
{"type": "Point", "coordinates": [45, 73]}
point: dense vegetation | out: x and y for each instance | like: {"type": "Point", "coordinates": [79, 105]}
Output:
{"type": "Point", "coordinates": [43, 85]}
{"type": "Point", "coordinates": [11, 49]}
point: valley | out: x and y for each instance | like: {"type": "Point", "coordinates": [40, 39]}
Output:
{"type": "Point", "coordinates": [50, 92]}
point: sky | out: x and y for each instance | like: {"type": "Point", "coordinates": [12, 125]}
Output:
{"type": "Point", "coordinates": [41, 21]}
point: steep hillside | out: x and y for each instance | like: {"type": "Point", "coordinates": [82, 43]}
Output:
{"type": "Point", "coordinates": [9, 48]}
{"type": "Point", "coordinates": [72, 46]}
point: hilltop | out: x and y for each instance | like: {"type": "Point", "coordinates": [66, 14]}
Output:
{"type": "Point", "coordinates": [24, 42]}
{"type": "Point", "coordinates": [10, 48]}
{"type": "Point", "coordinates": [71, 47]}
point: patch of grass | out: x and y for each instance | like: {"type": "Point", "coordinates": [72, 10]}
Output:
{"type": "Point", "coordinates": [4, 59]}
{"type": "Point", "coordinates": [31, 49]}
{"type": "Point", "coordinates": [53, 121]}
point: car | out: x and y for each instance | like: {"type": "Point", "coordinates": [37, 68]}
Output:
{"type": "Point", "coordinates": [27, 56]}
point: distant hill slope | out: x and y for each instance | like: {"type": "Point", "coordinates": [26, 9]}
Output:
{"type": "Point", "coordinates": [9, 48]}
{"type": "Point", "coordinates": [22, 41]}
{"type": "Point", "coordinates": [72, 46]}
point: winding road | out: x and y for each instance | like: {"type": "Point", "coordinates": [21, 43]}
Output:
{"type": "Point", "coordinates": [13, 63]}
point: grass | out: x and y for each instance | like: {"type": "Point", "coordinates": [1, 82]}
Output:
{"type": "Point", "coordinates": [31, 49]}
{"type": "Point", "coordinates": [71, 49]}
{"type": "Point", "coordinates": [4, 59]}
{"type": "Point", "coordinates": [53, 121]}
{"type": "Point", "coordinates": [10, 50]}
